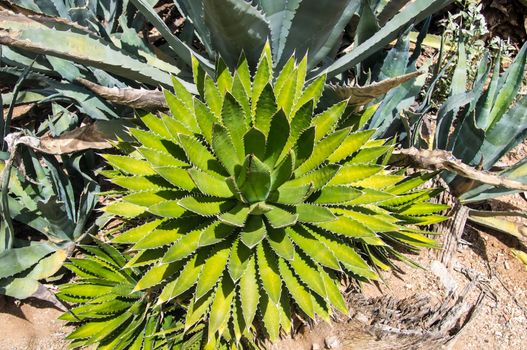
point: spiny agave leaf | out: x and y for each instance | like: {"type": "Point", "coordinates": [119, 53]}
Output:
{"type": "Point", "coordinates": [236, 27]}
{"type": "Point", "coordinates": [379, 181]}
{"type": "Point", "coordinates": [156, 124]}
{"type": "Point", "coordinates": [414, 12]}
{"type": "Point", "coordinates": [140, 183]}
{"type": "Point", "coordinates": [157, 274]}
{"type": "Point", "coordinates": [411, 182]}
{"type": "Point", "coordinates": [326, 121]}
{"type": "Point", "coordinates": [291, 195]}
{"type": "Point", "coordinates": [237, 216]}
{"type": "Point", "coordinates": [313, 91]}
{"type": "Point", "coordinates": [181, 112]}
{"type": "Point", "coordinates": [335, 195]}
{"type": "Point", "coordinates": [148, 198]}
{"type": "Point", "coordinates": [254, 142]}
{"type": "Point", "coordinates": [187, 278]}
{"type": "Point", "coordinates": [248, 292]}
{"type": "Point", "coordinates": [19, 259]}
{"type": "Point", "coordinates": [129, 165]}
{"type": "Point", "coordinates": [200, 156]}
{"type": "Point", "coordinates": [347, 227]}
{"type": "Point", "coordinates": [279, 218]}
{"type": "Point", "coordinates": [159, 159]}
{"type": "Point", "coordinates": [240, 94]}
{"type": "Point", "coordinates": [265, 108]}
{"type": "Point", "coordinates": [205, 119]}
{"type": "Point", "coordinates": [333, 293]}
{"type": "Point", "coordinates": [280, 243]}
{"type": "Point", "coordinates": [223, 77]}
{"type": "Point", "coordinates": [205, 206]}
{"type": "Point", "coordinates": [215, 233]}
{"type": "Point", "coordinates": [351, 144]}
{"type": "Point", "coordinates": [282, 172]}
{"type": "Point", "coordinates": [369, 154]}
{"type": "Point", "coordinates": [63, 40]}
{"type": "Point", "coordinates": [287, 90]}
{"type": "Point", "coordinates": [213, 268]}
{"type": "Point", "coordinates": [312, 247]}
{"type": "Point", "coordinates": [304, 146]}
{"type": "Point", "coordinates": [314, 213]}
{"type": "Point", "coordinates": [223, 146]}
{"type": "Point", "coordinates": [137, 233]}
{"type": "Point", "coordinates": [317, 178]}
{"type": "Point", "coordinates": [240, 256]}
{"type": "Point", "coordinates": [346, 255]}
{"type": "Point", "coordinates": [423, 208]}
{"type": "Point", "coordinates": [277, 139]}
{"type": "Point", "coordinates": [163, 235]}
{"type": "Point", "coordinates": [254, 231]}
{"type": "Point", "coordinates": [254, 180]}
{"type": "Point", "coordinates": [212, 96]}
{"type": "Point", "coordinates": [300, 121]}
{"type": "Point", "coordinates": [297, 290]}
{"type": "Point", "coordinates": [220, 308]}
{"type": "Point", "coordinates": [145, 257]}
{"type": "Point", "coordinates": [415, 239]}
{"type": "Point", "coordinates": [233, 119]}
{"type": "Point", "coordinates": [167, 209]}
{"type": "Point", "coordinates": [308, 274]}
{"type": "Point", "coordinates": [370, 220]}
{"type": "Point", "coordinates": [182, 93]}
{"type": "Point", "coordinates": [183, 247]}
{"type": "Point", "coordinates": [322, 151]}
{"type": "Point", "coordinates": [124, 209]}
{"type": "Point", "coordinates": [353, 173]}
{"type": "Point", "coordinates": [262, 77]}
{"type": "Point", "coordinates": [197, 309]}
{"type": "Point", "coordinates": [269, 273]}
{"type": "Point", "coordinates": [209, 185]}
{"type": "Point", "coordinates": [271, 317]}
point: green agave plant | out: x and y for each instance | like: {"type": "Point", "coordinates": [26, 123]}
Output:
{"type": "Point", "coordinates": [112, 314]}
{"type": "Point", "coordinates": [251, 204]}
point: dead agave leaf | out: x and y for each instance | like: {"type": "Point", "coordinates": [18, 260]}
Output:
{"type": "Point", "coordinates": [515, 229]}
{"type": "Point", "coordinates": [20, 111]}
{"type": "Point", "coordinates": [94, 136]}
{"type": "Point", "coordinates": [361, 95]}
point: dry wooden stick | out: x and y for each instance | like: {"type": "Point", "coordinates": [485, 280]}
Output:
{"type": "Point", "coordinates": [444, 160]}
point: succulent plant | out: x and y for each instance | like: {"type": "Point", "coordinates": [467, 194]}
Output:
{"type": "Point", "coordinates": [111, 314]}
{"type": "Point", "coordinates": [249, 203]}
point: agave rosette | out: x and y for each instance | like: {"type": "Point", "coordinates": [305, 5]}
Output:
{"type": "Point", "coordinates": [251, 202]}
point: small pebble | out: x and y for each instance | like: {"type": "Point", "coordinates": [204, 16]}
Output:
{"type": "Point", "coordinates": [332, 342]}
{"type": "Point", "coordinates": [315, 346]}
{"type": "Point", "coordinates": [507, 266]}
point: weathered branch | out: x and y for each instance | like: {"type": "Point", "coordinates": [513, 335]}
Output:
{"type": "Point", "coordinates": [444, 160]}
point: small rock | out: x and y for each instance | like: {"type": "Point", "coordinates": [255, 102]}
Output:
{"type": "Point", "coordinates": [315, 346]}
{"type": "Point", "coordinates": [444, 276]}
{"type": "Point", "coordinates": [507, 266]}
{"type": "Point", "coordinates": [332, 342]}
